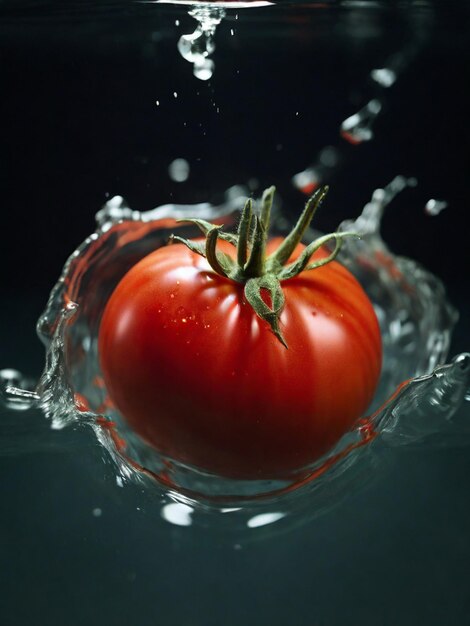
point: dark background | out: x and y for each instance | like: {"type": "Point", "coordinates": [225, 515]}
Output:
{"type": "Point", "coordinates": [79, 123]}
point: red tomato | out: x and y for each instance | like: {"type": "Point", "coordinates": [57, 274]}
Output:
{"type": "Point", "coordinates": [201, 378]}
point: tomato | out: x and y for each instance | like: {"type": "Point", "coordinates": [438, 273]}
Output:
{"type": "Point", "coordinates": [201, 377]}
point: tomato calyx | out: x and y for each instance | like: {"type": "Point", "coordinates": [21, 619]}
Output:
{"type": "Point", "coordinates": [251, 267]}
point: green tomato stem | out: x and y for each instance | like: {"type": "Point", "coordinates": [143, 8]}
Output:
{"type": "Point", "coordinates": [252, 268]}
{"type": "Point", "coordinates": [243, 233]}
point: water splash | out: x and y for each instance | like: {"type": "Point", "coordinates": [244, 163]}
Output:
{"type": "Point", "coordinates": [432, 399]}
{"type": "Point", "coordinates": [416, 398]}
{"type": "Point", "coordinates": [369, 221]}
{"type": "Point", "coordinates": [199, 45]}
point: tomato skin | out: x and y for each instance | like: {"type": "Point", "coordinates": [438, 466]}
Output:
{"type": "Point", "coordinates": [200, 377]}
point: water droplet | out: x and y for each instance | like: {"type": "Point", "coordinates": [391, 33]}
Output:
{"type": "Point", "coordinates": [175, 94]}
{"type": "Point", "coordinates": [358, 127]}
{"type": "Point", "coordinates": [307, 181]}
{"type": "Point", "coordinates": [312, 177]}
{"type": "Point", "coordinates": [434, 207]}
{"type": "Point", "coordinates": [178, 171]}
{"type": "Point", "coordinates": [197, 46]}
{"type": "Point", "coordinates": [204, 69]}
{"type": "Point", "coordinates": [384, 76]}
{"type": "Point", "coordinates": [329, 156]}
{"type": "Point", "coordinates": [157, 102]}
{"type": "Point", "coordinates": [97, 512]}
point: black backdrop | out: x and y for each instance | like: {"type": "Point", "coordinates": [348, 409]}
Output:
{"type": "Point", "coordinates": [80, 121]}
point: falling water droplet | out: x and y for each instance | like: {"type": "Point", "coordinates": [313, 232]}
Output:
{"type": "Point", "coordinates": [384, 76]}
{"type": "Point", "coordinates": [307, 181]}
{"type": "Point", "coordinates": [198, 46]}
{"type": "Point", "coordinates": [204, 69]}
{"type": "Point", "coordinates": [178, 170]}
{"type": "Point", "coordinates": [329, 156]}
{"type": "Point", "coordinates": [434, 207]}
{"type": "Point", "coordinates": [313, 176]}
{"type": "Point", "coordinates": [358, 127]}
